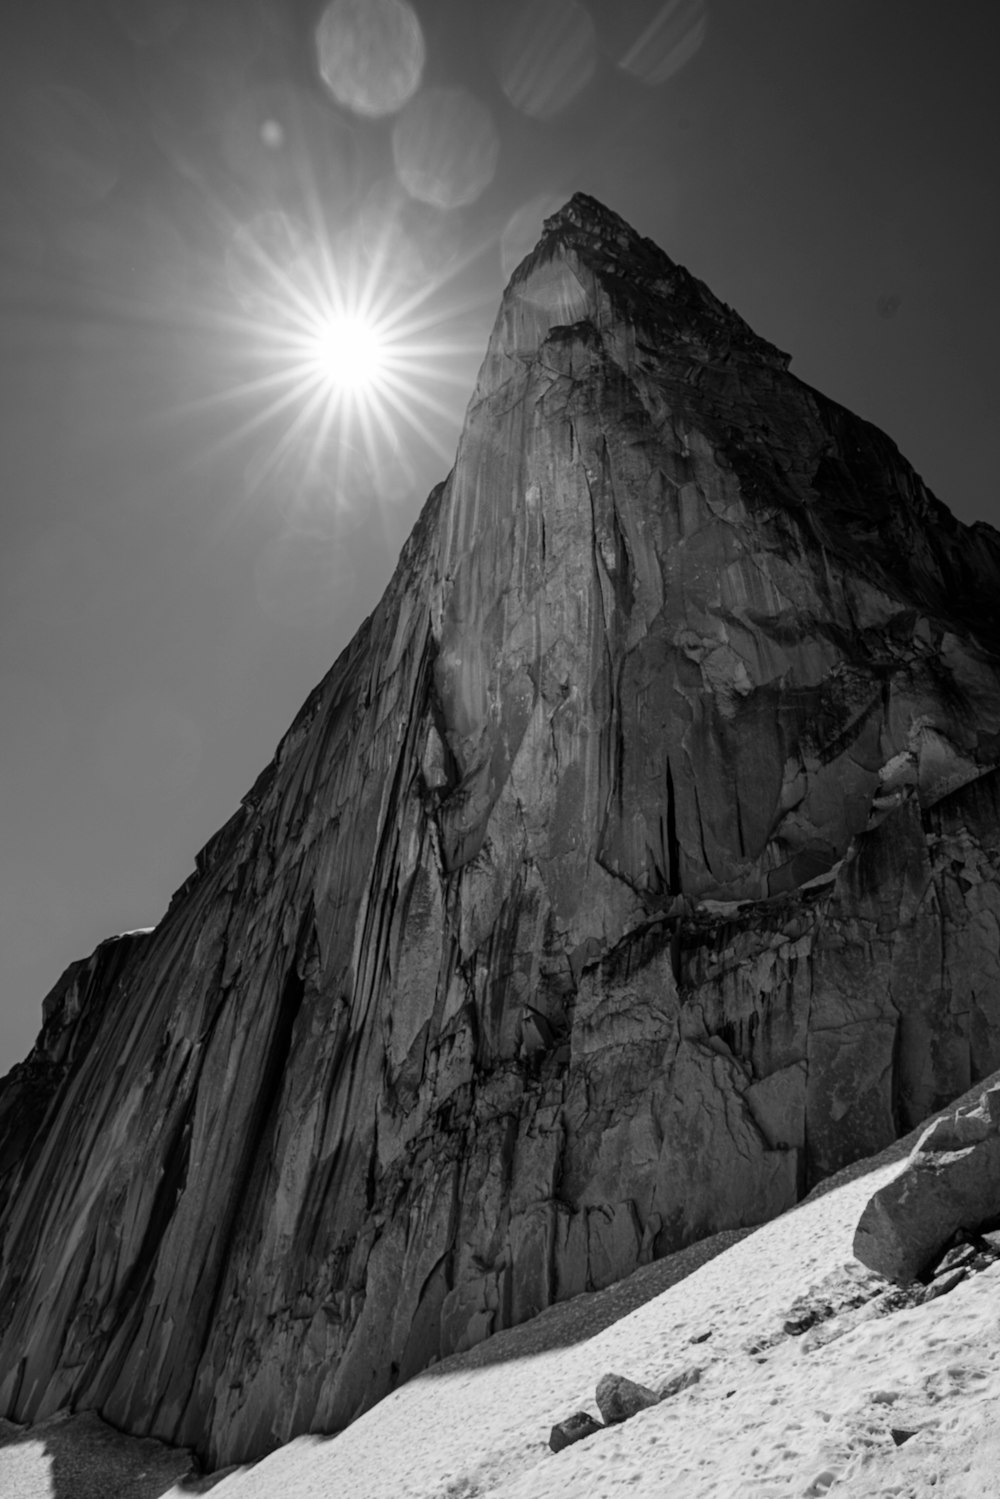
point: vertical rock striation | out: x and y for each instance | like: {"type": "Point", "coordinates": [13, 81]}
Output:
{"type": "Point", "coordinates": [636, 865]}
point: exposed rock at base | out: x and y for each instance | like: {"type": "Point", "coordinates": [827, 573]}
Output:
{"type": "Point", "coordinates": [573, 1429]}
{"type": "Point", "coordinates": [951, 1181]}
{"type": "Point", "coordinates": [81, 1457]}
{"type": "Point", "coordinates": [635, 867]}
{"type": "Point", "coordinates": [619, 1398]}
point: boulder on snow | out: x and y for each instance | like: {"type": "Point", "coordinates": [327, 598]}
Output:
{"type": "Point", "coordinates": [951, 1181]}
{"type": "Point", "coordinates": [619, 1398]}
{"type": "Point", "coordinates": [677, 1382]}
{"type": "Point", "coordinates": [573, 1429]}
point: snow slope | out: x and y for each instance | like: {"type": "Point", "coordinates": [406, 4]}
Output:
{"type": "Point", "coordinates": [773, 1414]}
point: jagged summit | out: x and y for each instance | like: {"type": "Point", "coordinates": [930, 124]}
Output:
{"type": "Point", "coordinates": [635, 867]}
{"type": "Point", "coordinates": [630, 277]}
{"type": "Point", "coordinates": [589, 225]}
{"type": "Point", "coordinates": [585, 224]}
{"type": "Point", "coordinates": [594, 218]}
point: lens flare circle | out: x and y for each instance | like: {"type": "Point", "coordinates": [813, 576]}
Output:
{"type": "Point", "coordinates": [668, 43]}
{"type": "Point", "coordinates": [348, 352]}
{"type": "Point", "coordinates": [549, 56]}
{"type": "Point", "coordinates": [445, 147]}
{"type": "Point", "coordinates": [371, 54]}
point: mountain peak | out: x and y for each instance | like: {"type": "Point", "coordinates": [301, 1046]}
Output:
{"type": "Point", "coordinates": [624, 877]}
{"type": "Point", "coordinates": [585, 227]}
{"type": "Point", "coordinates": [584, 213]}
{"type": "Point", "coordinates": [591, 266]}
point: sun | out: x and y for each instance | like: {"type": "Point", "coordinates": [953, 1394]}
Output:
{"type": "Point", "coordinates": [349, 360]}
{"type": "Point", "coordinates": [349, 352]}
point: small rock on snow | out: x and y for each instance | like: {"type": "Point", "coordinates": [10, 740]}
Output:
{"type": "Point", "coordinates": [619, 1398]}
{"type": "Point", "coordinates": [573, 1429]}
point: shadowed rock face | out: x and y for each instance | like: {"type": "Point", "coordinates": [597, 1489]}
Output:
{"type": "Point", "coordinates": [634, 867]}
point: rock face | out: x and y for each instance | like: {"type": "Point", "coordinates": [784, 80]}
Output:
{"type": "Point", "coordinates": [951, 1181]}
{"type": "Point", "coordinates": [633, 868]}
{"type": "Point", "coordinates": [70, 1015]}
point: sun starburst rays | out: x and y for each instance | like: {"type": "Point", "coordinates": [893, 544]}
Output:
{"type": "Point", "coordinates": [337, 353]}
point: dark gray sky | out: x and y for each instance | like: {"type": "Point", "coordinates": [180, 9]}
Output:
{"type": "Point", "coordinates": [185, 547]}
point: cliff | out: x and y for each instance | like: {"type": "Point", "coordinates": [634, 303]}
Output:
{"type": "Point", "coordinates": [637, 865]}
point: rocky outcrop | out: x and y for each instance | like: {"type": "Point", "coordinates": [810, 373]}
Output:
{"type": "Point", "coordinates": [634, 867]}
{"type": "Point", "coordinates": [951, 1182]}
